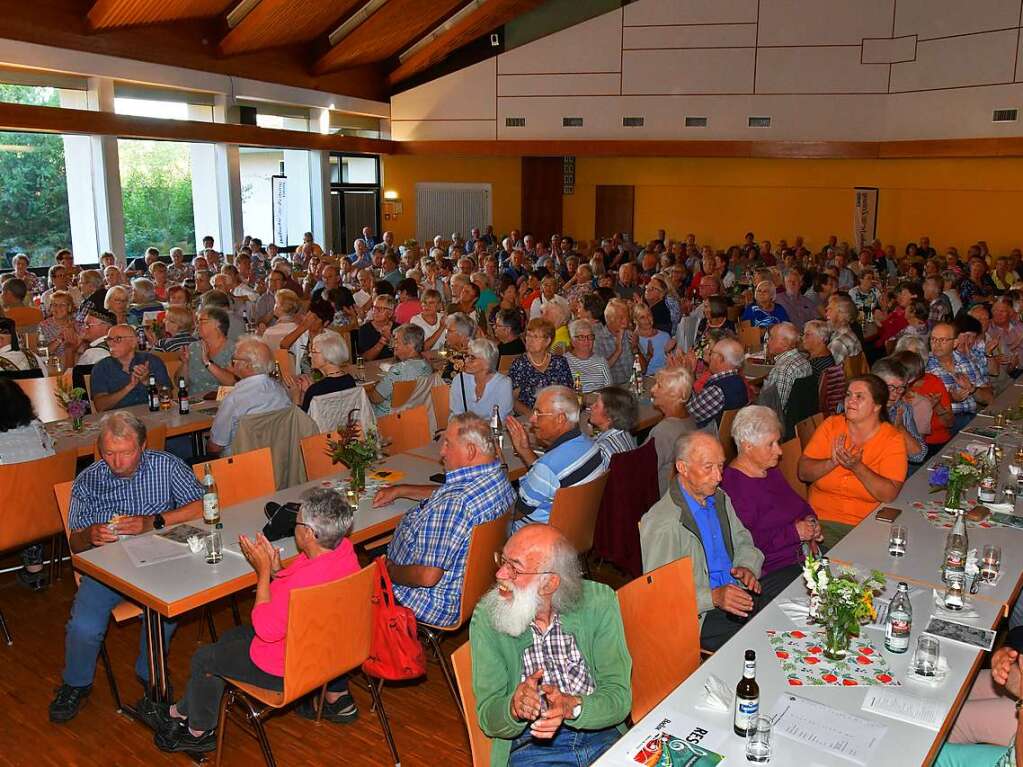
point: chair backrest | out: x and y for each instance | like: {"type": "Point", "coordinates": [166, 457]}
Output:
{"type": "Point", "coordinates": [662, 632]}
{"type": "Point", "coordinates": [632, 488]}
{"type": "Point", "coordinates": [287, 364]}
{"type": "Point", "coordinates": [789, 465]}
{"type": "Point", "coordinates": [504, 363]}
{"type": "Point", "coordinates": [751, 337]}
{"type": "Point", "coordinates": [803, 402]}
{"type": "Point", "coordinates": [43, 394]}
{"type": "Point", "coordinates": [831, 389]}
{"type": "Point", "coordinates": [24, 316]}
{"type": "Point", "coordinates": [856, 366]}
{"type": "Point", "coordinates": [575, 509]}
{"type": "Point", "coordinates": [28, 511]}
{"type": "Point", "coordinates": [441, 404]}
{"type": "Point", "coordinates": [805, 430]}
{"type": "Point", "coordinates": [314, 455]}
{"type": "Point", "coordinates": [282, 430]}
{"type": "Point", "coordinates": [156, 439]}
{"type": "Point", "coordinates": [171, 361]}
{"type": "Point", "coordinates": [479, 744]}
{"type": "Point", "coordinates": [62, 493]}
{"type": "Point", "coordinates": [725, 434]}
{"type": "Point", "coordinates": [401, 392]}
{"type": "Point", "coordinates": [405, 430]}
{"type": "Point", "coordinates": [330, 627]}
{"type": "Point", "coordinates": [331, 410]}
{"type": "Point", "coordinates": [240, 477]}
{"type": "Point", "coordinates": [480, 567]}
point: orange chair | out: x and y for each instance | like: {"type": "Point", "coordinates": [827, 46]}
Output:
{"type": "Point", "coordinates": [240, 477]}
{"type": "Point", "coordinates": [725, 435]}
{"type": "Point", "coordinates": [330, 627]}
{"type": "Point", "coordinates": [575, 509]}
{"type": "Point", "coordinates": [751, 337]}
{"type": "Point", "coordinates": [485, 541]}
{"type": "Point", "coordinates": [401, 392]}
{"type": "Point", "coordinates": [314, 456]}
{"type": "Point", "coordinates": [806, 428]}
{"type": "Point", "coordinates": [505, 362]}
{"type": "Point", "coordinates": [156, 439]}
{"type": "Point", "coordinates": [479, 743]}
{"type": "Point", "coordinates": [286, 362]}
{"type": "Point", "coordinates": [24, 316]}
{"type": "Point", "coordinates": [28, 510]}
{"type": "Point", "coordinates": [122, 612]}
{"type": "Point", "coordinates": [441, 405]}
{"type": "Point", "coordinates": [43, 394]}
{"type": "Point", "coordinates": [856, 366]}
{"type": "Point", "coordinates": [406, 430]}
{"type": "Point", "coordinates": [171, 361]}
{"type": "Point", "coordinates": [662, 632]}
{"type": "Point", "coordinates": [789, 465]}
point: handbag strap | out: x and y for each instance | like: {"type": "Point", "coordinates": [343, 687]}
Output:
{"type": "Point", "coordinates": [385, 589]}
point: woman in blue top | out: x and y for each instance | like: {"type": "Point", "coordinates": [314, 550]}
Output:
{"type": "Point", "coordinates": [765, 312]}
{"type": "Point", "coordinates": [479, 387]}
{"type": "Point", "coordinates": [652, 345]}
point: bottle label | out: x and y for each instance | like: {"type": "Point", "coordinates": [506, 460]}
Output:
{"type": "Point", "coordinates": [745, 711]}
{"type": "Point", "coordinates": [211, 507]}
{"type": "Point", "coordinates": [897, 635]}
{"type": "Point", "coordinates": [184, 405]}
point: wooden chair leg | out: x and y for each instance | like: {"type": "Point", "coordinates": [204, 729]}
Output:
{"type": "Point", "coordinates": [8, 639]}
{"type": "Point", "coordinates": [378, 704]}
{"type": "Point", "coordinates": [105, 657]}
{"type": "Point", "coordinates": [210, 623]}
{"type": "Point", "coordinates": [234, 610]}
{"type": "Point", "coordinates": [226, 701]}
{"type": "Point", "coordinates": [56, 554]}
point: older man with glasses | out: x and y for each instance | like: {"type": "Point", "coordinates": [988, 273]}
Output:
{"type": "Point", "coordinates": [966, 382]}
{"type": "Point", "coordinates": [374, 338]}
{"type": "Point", "coordinates": [121, 379]}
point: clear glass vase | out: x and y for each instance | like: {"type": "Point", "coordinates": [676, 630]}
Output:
{"type": "Point", "coordinates": [357, 480]}
{"type": "Point", "coordinates": [836, 641]}
{"type": "Point", "coordinates": [954, 495]}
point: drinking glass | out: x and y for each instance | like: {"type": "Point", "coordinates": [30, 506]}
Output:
{"type": "Point", "coordinates": [954, 596]}
{"type": "Point", "coordinates": [897, 540]}
{"type": "Point", "coordinates": [165, 398]}
{"type": "Point", "coordinates": [758, 739]}
{"type": "Point", "coordinates": [990, 562]}
{"type": "Point", "coordinates": [926, 656]}
{"type": "Point", "coordinates": [214, 548]}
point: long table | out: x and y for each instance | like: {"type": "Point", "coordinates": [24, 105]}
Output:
{"type": "Point", "coordinates": [865, 548]}
{"type": "Point", "coordinates": [168, 589]}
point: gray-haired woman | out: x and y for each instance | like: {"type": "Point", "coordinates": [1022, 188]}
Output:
{"type": "Point", "coordinates": [614, 413]}
{"type": "Point", "coordinates": [328, 355]}
{"type": "Point", "coordinates": [816, 337]}
{"type": "Point", "coordinates": [255, 653]}
{"type": "Point", "coordinates": [669, 394]}
{"type": "Point", "coordinates": [408, 350]}
{"type": "Point", "coordinates": [479, 388]}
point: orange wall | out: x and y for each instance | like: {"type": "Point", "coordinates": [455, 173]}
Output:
{"type": "Point", "coordinates": [955, 202]}
{"type": "Point", "coordinates": [401, 173]}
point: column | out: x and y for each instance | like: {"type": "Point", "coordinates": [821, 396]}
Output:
{"type": "Point", "coordinates": [216, 185]}
{"type": "Point", "coordinates": [319, 184]}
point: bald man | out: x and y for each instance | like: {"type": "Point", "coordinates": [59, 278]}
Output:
{"type": "Point", "coordinates": [551, 670]}
{"type": "Point", "coordinates": [790, 363]}
{"type": "Point", "coordinates": [121, 380]}
{"type": "Point", "coordinates": [255, 392]}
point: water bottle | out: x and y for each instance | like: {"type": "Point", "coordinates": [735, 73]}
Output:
{"type": "Point", "coordinates": [900, 621]}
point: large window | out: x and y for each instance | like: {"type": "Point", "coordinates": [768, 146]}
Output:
{"type": "Point", "coordinates": [34, 216]}
{"type": "Point", "coordinates": [156, 184]}
{"type": "Point", "coordinates": [276, 201]}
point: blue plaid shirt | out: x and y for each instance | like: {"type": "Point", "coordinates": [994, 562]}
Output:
{"type": "Point", "coordinates": [436, 534]}
{"type": "Point", "coordinates": [162, 482]}
{"type": "Point", "coordinates": [968, 367]}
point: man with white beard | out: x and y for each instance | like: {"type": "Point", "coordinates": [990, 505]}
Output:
{"type": "Point", "coordinates": [551, 670]}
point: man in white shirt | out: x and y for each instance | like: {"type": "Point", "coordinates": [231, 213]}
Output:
{"type": "Point", "coordinates": [255, 392]}
{"type": "Point", "coordinates": [364, 295]}
{"type": "Point", "coordinates": [60, 279]}
{"type": "Point", "coordinates": [548, 295]}
{"type": "Point", "coordinates": [97, 324]}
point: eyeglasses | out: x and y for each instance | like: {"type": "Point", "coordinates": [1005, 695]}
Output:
{"type": "Point", "coordinates": [303, 524]}
{"type": "Point", "coordinates": [540, 413]}
{"type": "Point", "coordinates": [896, 388]}
{"type": "Point", "coordinates": [119, 338]}
{"type": "Point", "coordinates": [501, 561]}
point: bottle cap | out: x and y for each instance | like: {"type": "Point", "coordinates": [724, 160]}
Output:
{"type": "Point", "coordinates": [751, 655]}
{"type": "Point", "coordinates": [903, 586]}
{"type": "Point", "coordinates": [219, 526]}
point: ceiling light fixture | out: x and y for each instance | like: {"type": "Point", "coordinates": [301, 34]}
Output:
{"type": "Point", "coordinates": [437, 32]}
{"type": "Point", "coordinates": [239, 12]}
{"type": "Point", "coordinates": [355, 20]}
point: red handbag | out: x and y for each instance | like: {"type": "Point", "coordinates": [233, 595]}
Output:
{"type": "Point", "coordinates": [395, 652]}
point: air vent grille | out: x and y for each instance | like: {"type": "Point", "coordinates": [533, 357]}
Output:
{"type": "Point", "coordinates": [1005, 115]}
{"type": "Point", "coordinates": [696, 122]}
{"type": "Point", "coordinates": [514, 122]}
{"type": "Point", "coordinates": [760, 122]}
{"type": "Point", "coordinates": [632, 122]}
{"type": "Point", "coordinates": [571, 122]}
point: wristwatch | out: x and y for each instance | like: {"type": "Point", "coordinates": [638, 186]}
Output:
{"type": "Point", "coordinates": [159, 522]}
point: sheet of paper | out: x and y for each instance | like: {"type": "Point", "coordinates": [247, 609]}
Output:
{"type": "Point", "coordinates": [827, 729]}
{"type": "Point", "coordinates": [904, 707]}
{"type": "Point", "coordinates": [145, 550]}
{"type": "Point", "coordinates": [681, 740]}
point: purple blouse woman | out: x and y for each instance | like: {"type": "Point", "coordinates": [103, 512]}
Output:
{"type": "Point", "coordinates": [779, 520]}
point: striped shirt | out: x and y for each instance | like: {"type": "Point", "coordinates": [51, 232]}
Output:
{"type": "Point", "coordinates": [436, 534]}
{"type": "Point", "coordinates": [162, 482]}
{"type": "Point", "coordinates": [593, 371]}
{"type": "Point", "coordinates": [614, 441]}
{"type": "Point", "coordinates": [572, 459]}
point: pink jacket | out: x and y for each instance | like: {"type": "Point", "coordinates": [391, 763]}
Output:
{"type": "Point", "coordinates": [270, 619]}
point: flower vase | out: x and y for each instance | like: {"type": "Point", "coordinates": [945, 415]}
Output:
{"type": "Point", "coordinates": [954, 495]}
{"type": "Point", "coordinates": [836, 641]}
{"type": "Point", "coordinates": [357, 480]}
{"type": "Point", "coordinates": [77, 423]}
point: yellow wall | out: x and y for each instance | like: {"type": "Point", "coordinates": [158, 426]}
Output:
{"type": "Point", "coordinates": [955, 202]}
{"type": "Point", "coordinates": [401, 173]}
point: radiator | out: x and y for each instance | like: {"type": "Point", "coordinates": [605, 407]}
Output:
{"type": "Point", "coordinates": [447, 208]}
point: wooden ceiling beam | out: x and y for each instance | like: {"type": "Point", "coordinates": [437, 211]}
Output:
{"type": "Point", "coordinates": [110, 14]}
{"type": "Point", "coordinates": [276, 23]}
{"type": "Point", "coordinates": [394, 26]}
{"type": "Point", "coordinates": [23, 117]}
{"type": "Point", "coordinates": [489, 16]}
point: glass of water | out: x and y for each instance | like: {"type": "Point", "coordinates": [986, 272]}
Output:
{"type": "Point", "coordinates": [758, 739]}
{"type": "Point", "coordinates": [214, 547]}
{"type": "Point", "coordinates": [926, 656]}
{"type": "Point", "coordinates": [897, 541]}
{"type": "Point", "coordinates": [990, 562]}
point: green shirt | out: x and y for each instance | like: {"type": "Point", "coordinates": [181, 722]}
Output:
{"type": "Point", "coordinates": [200, 379]}
{"type": "Point", "coordinates": [596, 624]}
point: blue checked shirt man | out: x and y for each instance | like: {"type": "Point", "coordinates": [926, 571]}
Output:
{"type": "Point", "coordinates": [966, 382]}
{"type": "Point", "coordinates": [131, 491]}
{"type": "Point", "coordinates": [427, 557]}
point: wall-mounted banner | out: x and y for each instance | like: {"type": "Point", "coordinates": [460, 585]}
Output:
{"type": "Point", "coordinates": [279, 208]}
{"type": "Point", "coordinates": [865, 215]}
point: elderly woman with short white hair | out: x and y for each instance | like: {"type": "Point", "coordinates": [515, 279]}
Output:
{"type": "Point", "coordinates": [479, 388]}
{"type": "Point", "coordinates": [781, 522]}
{"type": "Point", "coordinates": [328, 354]}
{"type": "Point", "coordinates": [669, 394]}
{"type": "Point", "coordinates": [589, 371]}
{"type": "Point", "coordinates": [816, 336]}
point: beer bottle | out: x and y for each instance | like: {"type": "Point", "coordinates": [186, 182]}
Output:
{"type": "Point", "coordinates": [747, 696]}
